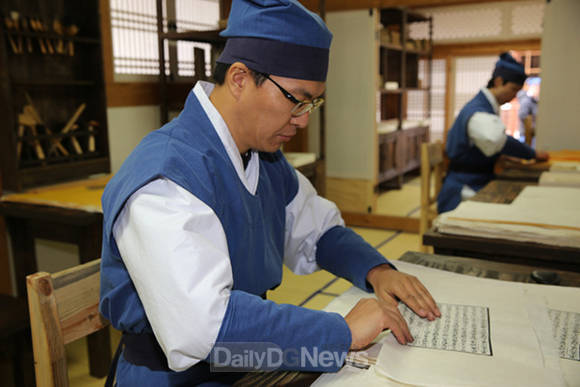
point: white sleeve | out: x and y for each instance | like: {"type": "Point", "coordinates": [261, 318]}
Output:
{"type": "Point", "coordinates": [487, 132]}
{"type": "Point", "coordinates": [175, 250]}
{"type": "Point", "coordinates": [308, 216]}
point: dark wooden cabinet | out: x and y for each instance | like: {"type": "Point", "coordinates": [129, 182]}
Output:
{"type": "Point", "coordinates": [399, 57]}
{"type": "Point", "coordinates": [52, 95]}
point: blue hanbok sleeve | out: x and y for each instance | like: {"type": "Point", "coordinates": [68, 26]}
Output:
{"type": "Point", "coordinates": [344, 253]}
{"type": "Point", "coordinates": [295, 338]}
{"type": "Point", "coordinates": [515, 148]}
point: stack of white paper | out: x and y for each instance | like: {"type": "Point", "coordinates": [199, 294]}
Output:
{"type": "Point", "coordinates": [546, 215]}
{"type": "Point", "coordinates": [523, 327]}
{"type": "Point", "coordinates": [560, 179]}
{"type": "Point", "coordinates": [565, 166]}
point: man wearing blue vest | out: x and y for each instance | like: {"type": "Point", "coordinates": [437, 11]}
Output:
{"type": "Point", "coordinates": [477, 137]}
{"type": "Point", "coordinates": [205, 211]}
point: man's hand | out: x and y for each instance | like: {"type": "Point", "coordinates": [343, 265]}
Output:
{"type": "Point", "coordinates": [390, 284]}
{"type": "Point", "coordinates": [369, 317]}
{"type": "Point", "coordinates": [542, 156]}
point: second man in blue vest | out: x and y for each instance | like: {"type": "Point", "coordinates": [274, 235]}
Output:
{"type": "Point", "coordinates": [477, 137]}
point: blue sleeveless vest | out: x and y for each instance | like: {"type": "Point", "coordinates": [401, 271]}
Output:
{"type": "Point", "coordinates": [189, 152]}
{"type": "Point", "coordinates": [460, 152]}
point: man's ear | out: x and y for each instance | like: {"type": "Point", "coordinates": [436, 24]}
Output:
{"type": "Point", "coordinates": [237, 79]}
{"type": "Point", "coordinates": [497, 82]}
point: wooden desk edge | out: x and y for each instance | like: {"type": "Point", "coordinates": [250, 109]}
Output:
{"type": "Point", "coordinates": [503, 250]}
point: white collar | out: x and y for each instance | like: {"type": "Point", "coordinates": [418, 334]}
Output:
{"type": "Point", "coordinates": [249, 176]}
{"type": "Point", "coordinates": [490, 97]}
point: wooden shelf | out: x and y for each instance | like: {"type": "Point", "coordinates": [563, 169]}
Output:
{"type": "Point", "coordinates": [52, 82]}
{"type": "Point", "coordinates": [392, 46]}
{"type": "Point", "coordinates": [404, 89]}
{"type": "Point", "coordinates": [210, 36]}
{"type": "Point", "coordinates": [398, 47]}
{"type": "Point", "coordinates": [53, 36]}
{"type": "Point", "coordinates": [387, 175]}
{"type": "Point", "coordinates": [392, 16]}
{"type": "Point", "coordinates": [65, 170]}
{"type": "Point", "coordinates": [399, 141]}
{"type": "Point", "coordinates": [385, 132]}
{"type": "Point", "coordinates": [414, 17]}
{"type": "Point", "coordinates": [47, 91]}
{"type": "Point", "coordinates": [391, 91]}
{"type": "Point", "coordinates": [418, 52]}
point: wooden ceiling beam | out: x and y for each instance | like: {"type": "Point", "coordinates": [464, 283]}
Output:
{"type": "Point", "coordinates": [484, 48]}
{"type": "Point", "coordinates": [343, 5]}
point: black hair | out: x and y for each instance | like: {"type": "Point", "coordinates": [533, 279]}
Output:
{"type": "Point", "coordinates": [490, 84]}
{"type": "Point", "coordinates": [221, 69]}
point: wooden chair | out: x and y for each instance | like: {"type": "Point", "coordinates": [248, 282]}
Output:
{"type": "Point", "coordinates": [432, 165]}
{"type": "Point", "coordinates": [64, 307]}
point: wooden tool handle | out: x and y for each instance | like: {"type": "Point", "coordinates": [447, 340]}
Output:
{"type": "Point", "coordinates": [74, 118]}
{"type": "Point", "coordinates": [13, 45]}
{"type": "Point", "coordinates": [75, 142]}
{"type": "Point", "coordinates": [91, 137]}
{"type": "Point", "coordinates": [33, 109]}
{"type": "Point", "coordinates": [37, 146]}
{"type": "Point", "coordinates": [56, 145]}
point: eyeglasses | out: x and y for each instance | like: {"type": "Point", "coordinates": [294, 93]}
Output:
{"type": "Point", "coordinates": [300, 107]}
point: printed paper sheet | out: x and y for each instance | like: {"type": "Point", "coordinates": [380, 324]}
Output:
{"type": "Point", "coordinates": [461, 328]}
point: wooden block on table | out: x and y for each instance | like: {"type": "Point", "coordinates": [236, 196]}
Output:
{"type": "Point", "coordinates": [75, 142]}
{"type": "Point", "coordinates": [37, 147]}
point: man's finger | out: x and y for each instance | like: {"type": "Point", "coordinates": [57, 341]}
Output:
{"type": "Point", "coordinates": [416, 297]}
{"type": "Point", "coordinates": [423, 307]}
{"type": "Point", "coordinates": [399, 335]}
{"type": "Point", "coordinates": [413, 301]}
{"type": "Point", "coordinates": [397, 324]}
{"type": "Point", "coordinates": [428, 298]}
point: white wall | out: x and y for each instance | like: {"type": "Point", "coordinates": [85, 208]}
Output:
{"type": "Point", "coordinates": [127, 126]}
{"type": "Point", "coordinates": [350, 96]}
{"type": "Point", "coordinates": [558, 124]}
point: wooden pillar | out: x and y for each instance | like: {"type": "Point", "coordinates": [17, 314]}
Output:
{"type": "Point", "coordinates": [449, 95]}
{"type": "Point", "coordinates": [225, 6]}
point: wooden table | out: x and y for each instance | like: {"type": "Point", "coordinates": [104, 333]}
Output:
{"type": "Point", "coordinates": [501, 191]}
{"type": "Point", "coordinates": [484, 268]}
{"type": "Point", "coordinates": [508, 168]}
{"type": "Point", "coordinates": [67, 213]}
{"type": "Point", "coordinates": [531, 175]}
{"type": "Point", "coordinates": [503, 250]}
{"type": "Point", "coordinates": [521, 170]}
{"type": "Point", "coordinates": [468, 266]}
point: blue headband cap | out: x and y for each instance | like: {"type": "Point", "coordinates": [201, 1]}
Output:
{"type": "Point", "coordinates": [509, 69]}
{"type": "Point", "coordinates": [277, 37]}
